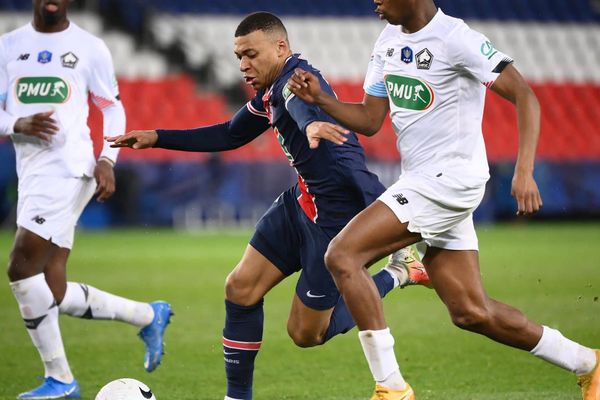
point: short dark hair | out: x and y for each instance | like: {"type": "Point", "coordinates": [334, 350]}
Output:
{"type": "Point", "coordinates": [260, 21]}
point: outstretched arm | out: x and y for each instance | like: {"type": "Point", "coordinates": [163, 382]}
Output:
{"type": "Point", "coordinates": [511, 85]}
{"type": "Point", "coordinates": [365, 118]}
{"type": "Point", "coordinates": [241, 129]}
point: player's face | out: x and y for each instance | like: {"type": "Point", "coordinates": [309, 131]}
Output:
{"type": "Point", "coordinates": [261, 57]}
{"type": "Point", "coordinates": [396, 12]}
{"type": "Point", "coordinates": [51, 11]}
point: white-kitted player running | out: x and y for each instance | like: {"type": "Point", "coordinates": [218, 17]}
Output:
{"type": "Point", "coordinates": [431, 71]}
{"type": "Point", "coordinates": [48, 69]}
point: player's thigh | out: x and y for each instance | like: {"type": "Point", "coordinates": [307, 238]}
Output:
{"type": "Point", "coordinates": [456, 277]}
{"type": "Point", "coordinates": [373, 234]}
{"type": "Point", "coordinates": [29, 255]}
{"type": "Point", "coordinates": [50, 206]}
{"type": "Point", "coordinates": [56, 272]}
{"type": "Point", "coordinates": [252, 278]}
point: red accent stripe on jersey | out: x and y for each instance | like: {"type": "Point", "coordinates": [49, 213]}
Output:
{"type": "Point", "coordinates": [488, 84]}
{"type": "Point", "coordinates": [234, 344]}
{"type": "Point", "coordinates": [307, 201]}
{"type": "Point", "coordinates": [255, 111]}
{"type": "Point", "coordinates": [101, 102]}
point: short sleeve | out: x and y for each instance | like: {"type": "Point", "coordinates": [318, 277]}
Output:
{"type": "Point", "coordinates": [104, 88]}
{"type": "Point", "coordinates": [374, 83]}
{"type": "Point", "coordinates": [474, 53]}
{"type": "Point", "coordinates": [3, 75]}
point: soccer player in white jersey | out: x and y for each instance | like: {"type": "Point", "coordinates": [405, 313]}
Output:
{"type": "Point", "coordinates": [47, 70]}
{"type": "Point", "coordinates": [430, 71]}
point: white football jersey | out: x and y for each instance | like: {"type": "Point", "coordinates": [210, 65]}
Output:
{"type": "Point", "coordinates": [435, 80]}
{"type": "Point", "coordinates": [57, 71]}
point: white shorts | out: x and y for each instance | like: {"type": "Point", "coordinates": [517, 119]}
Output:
{"type": "Point", "coordinates": [440, 208]}
{"type": "Point", "coordinates": [50, 206]}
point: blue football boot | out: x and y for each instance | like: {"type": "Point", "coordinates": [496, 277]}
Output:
{"type": "Point", "coordinates": [152, 335]}
{"type": "Point", "coordinates": [53, 389]}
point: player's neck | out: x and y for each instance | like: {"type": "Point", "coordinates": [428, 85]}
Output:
{"type": "Point", "coordinates": [420, 18]}
{"type": "Point", "coordinates": [43, 26]}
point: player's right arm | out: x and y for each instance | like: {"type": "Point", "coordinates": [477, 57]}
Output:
{"type": "Point", "coordinates": [40, 125]}
{"type": "Point", "coordinates": [365, 118]}
{"type": "Point", "coordinates": [244, 127]}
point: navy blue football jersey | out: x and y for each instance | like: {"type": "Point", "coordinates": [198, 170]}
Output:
{"type": "Point", "coordinates": [334, 183]}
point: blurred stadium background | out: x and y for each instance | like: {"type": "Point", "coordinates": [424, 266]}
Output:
{"type": "Point", "coordinates": [176, 69]}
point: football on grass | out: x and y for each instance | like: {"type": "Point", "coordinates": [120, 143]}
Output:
{"type": "Point", "coordinates": [125, 389]}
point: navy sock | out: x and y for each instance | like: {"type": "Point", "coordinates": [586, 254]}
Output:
{"type": "Point", "coordinates": [242, 337]}
{"type": "Point", "coordinates": [341, 319]}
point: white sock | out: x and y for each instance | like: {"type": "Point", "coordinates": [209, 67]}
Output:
{"type": "Point", "coordinates": [565, 353]}
{"type": "Point", "coordinates": [86, 301]}
{"type": "Point", "coordinates": [378, 347]}
{"type": "Point", "coordinates": [40, 314]}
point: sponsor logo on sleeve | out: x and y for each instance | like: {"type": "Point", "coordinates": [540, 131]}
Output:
{"type": "Point", "coordinates": [42, 89]}
{"type": "Point", "coordinates": [408, 92]}
{"type": "Point", "coordinates": [488, 50]}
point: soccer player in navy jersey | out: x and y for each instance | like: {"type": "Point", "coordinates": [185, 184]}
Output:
{"type": "Point", "coordinates": [333, 186]}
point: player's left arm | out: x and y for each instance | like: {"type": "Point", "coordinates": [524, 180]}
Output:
{"type": "Point", "coordinates": [511, 85]}
{"type": "Point", "coordinates": [104, 91]}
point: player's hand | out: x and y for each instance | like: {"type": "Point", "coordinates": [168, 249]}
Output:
{"type": "Point", "coordinates": [526, 193]}
{"type": "Point", "coordinates": [305, 85]}
{"type": "Point", "coordinates": [317, 130]}
{"type": "Point", "coordinates": [105, 180]}
{"type": "Point", "coordinates": [134, 139]}
{"type": "Point", "coordinates": [40, 125]}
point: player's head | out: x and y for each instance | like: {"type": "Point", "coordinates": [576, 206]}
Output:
{"type": "Point", "coordinates": [50, 13]}
{"type": "Point", "coordinates": [261, 44]}
{"type": "Point", "coordinates": [401, 12]}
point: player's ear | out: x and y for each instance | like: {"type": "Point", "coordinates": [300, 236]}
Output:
{"type": "Point", "coordinates": [283, 47]}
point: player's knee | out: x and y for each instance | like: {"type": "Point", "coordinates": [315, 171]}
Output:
{"type": "Point", "coordinates": [471, 317]}
{"type": "Point", "coordinates": [304, 338]}
{"type": "Point", "coordinates": [238, 291]}
{"type": "Point", "coordinates": [337, 260]}
{"type": "Point", "coordinates": [17, 264]}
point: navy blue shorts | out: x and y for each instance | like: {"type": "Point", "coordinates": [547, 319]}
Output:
{"type": "Point", "coordinates": [292, 242]}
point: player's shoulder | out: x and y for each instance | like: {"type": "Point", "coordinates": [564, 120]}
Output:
{"type": "Point", "coordinates": [16, 35]}
{"type": "Point", "coordinates": [452, 28]}
{"type": "Point", "coordinates": [86, 38]}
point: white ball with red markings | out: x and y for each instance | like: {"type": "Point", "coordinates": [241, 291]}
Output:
{"type": "Point", "coordinates": [125, 389]}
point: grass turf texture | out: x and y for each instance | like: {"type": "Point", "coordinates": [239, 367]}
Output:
{"type": "Point", "coordinates": [550, 271]}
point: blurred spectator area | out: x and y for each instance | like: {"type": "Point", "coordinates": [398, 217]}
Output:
{"type": "Point", "coordinates": [176, 69]}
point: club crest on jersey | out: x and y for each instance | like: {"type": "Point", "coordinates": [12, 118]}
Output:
{"type": "Point", "coordinates": [424, 59]}
{"type": "Point", "coordinates": [410, 93]}
{"type": "Point", "coordinates": [69, 60]}
{"type": "Point", "coordinates": [407, 54]}
{"type": "Point", "coordinates": [42, 89]}
{"type": "Point", "coordinates": [44, 57]}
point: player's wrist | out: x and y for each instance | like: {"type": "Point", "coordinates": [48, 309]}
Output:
{"type": "Point", "coordinates": [107, 161]}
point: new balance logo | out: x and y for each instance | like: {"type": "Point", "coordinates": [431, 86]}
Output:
{"type": "Point", "coordinates": [38, 220]}
{"type": "Point", "coordinates": [400, 199]}
{"type": "Point", "coordinates": [23, 57]}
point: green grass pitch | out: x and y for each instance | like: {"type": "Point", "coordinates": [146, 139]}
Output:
{"type": "Point", "coordinates": [550, 271]}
